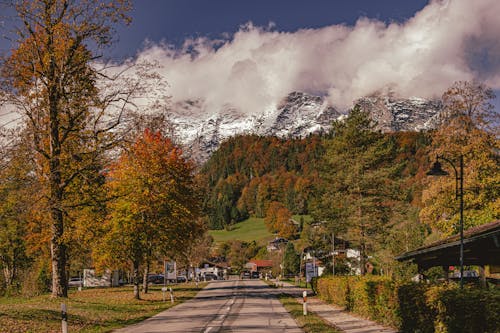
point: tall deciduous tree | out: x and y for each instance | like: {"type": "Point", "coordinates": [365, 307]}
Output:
{"type": "Point", "coordinates": [469, 128]}
{"type": "Point", "coordinates": [71, 104]}
{"type": "Point", "coordinates": [156, 206]}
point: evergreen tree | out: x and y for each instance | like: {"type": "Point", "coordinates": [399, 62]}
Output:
{"type": "Point", "coordinates": [291, 260]}
{"type": "Point", "coordinates": [358, 183]}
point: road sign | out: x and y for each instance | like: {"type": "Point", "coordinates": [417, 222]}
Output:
{"type": "Point", "coordinates": [311, 271]}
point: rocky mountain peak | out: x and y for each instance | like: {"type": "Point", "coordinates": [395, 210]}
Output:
{"type": "Point", "coordinates": [401, 114]}
{"type": "Point", "coordinates": [298, 114]}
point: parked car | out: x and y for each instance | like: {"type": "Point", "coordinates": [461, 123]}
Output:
{"type": "Point", "coordinates": [255, 275]}
{"type": "Point", "coordinates": [181, 279]}
{"type": "Point", "coordinates": [155, 279]}
{"type": "Point", "coordinates": [210, 276]}
{"type": "Point", "coordinates": [75, 282]}
{"type": "Point", "coordinates": [245, 275]}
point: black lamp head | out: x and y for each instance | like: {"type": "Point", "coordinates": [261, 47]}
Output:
{"type": "Point", "coordinates": [437, 170]}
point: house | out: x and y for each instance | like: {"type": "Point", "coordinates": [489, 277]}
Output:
{"type": "Point", "coordinates": [343, 251]}
{"type": "Point", "coordinates": [255, 265]}
{"type": "Point", "coordinates": [213, 266]}
{"type": "Point", "coordinates": [276, 244]}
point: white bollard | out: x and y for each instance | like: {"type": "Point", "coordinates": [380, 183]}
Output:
{"type": "Point", "coordinates": [304, 297]}
{"type": "Point", "coordinates": [164, 290]}
{"type": "Point", "coordinates": [171, 295]}
{"type": "Point", "coordinates": [64, 317]}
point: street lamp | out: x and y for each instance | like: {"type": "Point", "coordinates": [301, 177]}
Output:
{"type": "Point", "coordinates": [436, 170]}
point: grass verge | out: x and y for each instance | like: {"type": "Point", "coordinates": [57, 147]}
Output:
{"type": "Point", "coordinates": [311, 323]}
{"type": "Point", "coordinates": [89, 310]}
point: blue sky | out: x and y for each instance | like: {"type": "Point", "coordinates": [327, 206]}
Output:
{"type": "Point", "coordinates": [173, 21]}
{"type": "Point", "coordinates": [251, 54]}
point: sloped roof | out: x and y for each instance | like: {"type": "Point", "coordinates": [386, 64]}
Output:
{"type": "Point", "coordinates": [481, 247]}
{"type": "Point", "coordinates": [262, 263]}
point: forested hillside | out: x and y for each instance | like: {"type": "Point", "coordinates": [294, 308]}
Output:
{"type": "Point", "coordinates": [249, 172]}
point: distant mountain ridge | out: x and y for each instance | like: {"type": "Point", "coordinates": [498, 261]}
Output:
{"type": "Point", "coordinates": [297, 115]}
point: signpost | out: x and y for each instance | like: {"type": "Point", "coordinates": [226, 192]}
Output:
{"type": "Point", "coordinates": [170, 271]}
{"type": "Point", "coordinates": [311, 271]}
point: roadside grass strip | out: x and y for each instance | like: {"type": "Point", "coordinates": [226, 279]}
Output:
{"type": "Point", "coordinates": [90, 310]}
{"type": "Point", "coordinates": [311, 323]}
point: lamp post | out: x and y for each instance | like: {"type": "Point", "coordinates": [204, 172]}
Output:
{"type": "Point", "coordinates": [436, 170]}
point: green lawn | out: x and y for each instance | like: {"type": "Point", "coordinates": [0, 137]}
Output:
{"type": "Point", "coordinates": [90, 310]}
{"type": "Point", "coordinates": [248, 230]}
{"type": "Point", "coordinates": [307, 218]}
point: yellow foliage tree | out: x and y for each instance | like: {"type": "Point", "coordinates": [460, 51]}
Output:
{"type": "Point", "coordinates": [470, 129]}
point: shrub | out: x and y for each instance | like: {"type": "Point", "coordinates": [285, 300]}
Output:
{"type": "Point", "coordinates": [414, 313]}
{"type": "Point", "coordinates": [371, 296]}
{"type": "Point", "coordinates": [334, 290]}
{"type": "Point", "coordinates": [469, 310]}
{"type": "Point", "coordinates": [415, 307]}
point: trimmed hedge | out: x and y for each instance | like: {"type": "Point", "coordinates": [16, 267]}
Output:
{"type": "Point", "coordinates": [469, 310]}
{"type": "Point", "coordinates": [414, 313]}
{"type": "Point", "coordinates": [415, 307]}
{"type": "Point", "coordinates": [373, 297]}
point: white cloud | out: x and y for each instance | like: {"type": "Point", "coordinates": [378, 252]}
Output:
{"type": "Point", "coordinates": [444, 42]}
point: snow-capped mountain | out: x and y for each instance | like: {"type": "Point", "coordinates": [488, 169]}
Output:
{"type": "Point", "coordinates": [297, 115]}
{"type": "Point", "coordinates": [398, 114]}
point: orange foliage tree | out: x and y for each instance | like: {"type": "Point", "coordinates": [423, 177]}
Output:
{"type": "Point", "coordinates": [156, 206]}
{"type": "Point", "coordinates": [49, 78]}
{"type": "Point", "coordinates": [279, 220]}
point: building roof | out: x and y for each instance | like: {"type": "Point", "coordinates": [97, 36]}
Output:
{"type": "Point", "coordinates": [262, 263]}
{"type": "Point", "coordinates": [481, 247]}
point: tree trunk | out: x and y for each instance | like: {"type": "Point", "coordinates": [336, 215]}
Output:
{"type": "Point", "coordinates": [145, 279]}
{"type": "Point", "coordinates": [362, 259]}
{"type": "Point", "coordinates": [136, 280]}
{"type": "Point", "coordinates": [362, 241]}
{"type": "Point", "coordinates": [57, 245]}
{"type": "Point", "coordinates": [7, 275]}
{"type": "Point", "coordinates": [58, 254]}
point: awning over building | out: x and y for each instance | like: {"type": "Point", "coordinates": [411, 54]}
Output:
{"type": "Point", "coordinates": [481, 247]}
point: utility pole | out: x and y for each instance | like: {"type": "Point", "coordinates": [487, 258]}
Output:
{"type": "Point", "coordinates": [333, 253]}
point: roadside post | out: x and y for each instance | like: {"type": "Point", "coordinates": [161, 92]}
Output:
{"type": "Point", "coordinates": [304, 304]}
{"type": "Point", "coordinates": [164, 290]}
{"type": "Point", "coordinates": [171, 295]}
{"type": "Point", "coordinates": [64, 318]}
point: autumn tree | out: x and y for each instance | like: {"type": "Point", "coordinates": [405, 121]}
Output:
{"type": "Point", "coordinates": [239, 253]}
{"type": "Point", "coordinates": [156, 207]}
{"type": "Point", "coordinates": [70, 103]}
{"type": "Point", "coordinates": [469, 128]}
{"type": "Point", "coordinates": [279, 220]}
{"type": "Point", "coordinates": [16, 182]}
{"type": "Point", "coordinates": [196, 250]}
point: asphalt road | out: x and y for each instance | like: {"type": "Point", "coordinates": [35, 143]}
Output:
{"type": "Point", "coordinates": [224, 306]}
